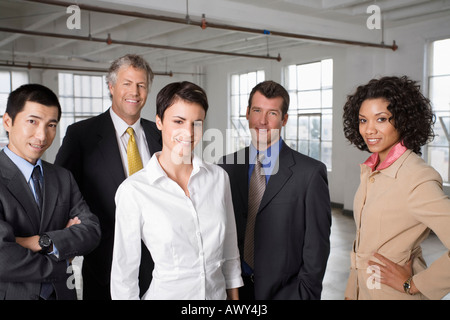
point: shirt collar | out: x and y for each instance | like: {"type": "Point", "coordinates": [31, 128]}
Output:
{"type": "Point", "coordinates": [121, 126]}
{"type": "Point", "coordinates": [156, 172]}
{"type": "Point", "coordinates": [24, 166]}
{"type": "Point", "coordinates": [396, 152]}
{"type": "Point", "coordinates": [271, 153]}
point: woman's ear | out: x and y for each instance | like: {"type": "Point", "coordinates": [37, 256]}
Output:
{"type": "Point", "coordinates": [158, 122]}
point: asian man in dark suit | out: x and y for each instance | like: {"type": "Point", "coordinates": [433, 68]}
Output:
{"type": "Point", "coordinates": [284, 220]}
{"type": "Point", "coordinates": [44, 221]}
{"type": "Point", "coordinates": [95, 151]}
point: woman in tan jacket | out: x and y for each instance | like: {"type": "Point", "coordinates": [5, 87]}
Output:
{"type": "Point", "coordinates": [400, 197]}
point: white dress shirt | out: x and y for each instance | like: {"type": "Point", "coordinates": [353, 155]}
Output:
{"type": "Point", "coordinates": [192, 240]}
{"type": "Point", "coordinates": [122, 139]}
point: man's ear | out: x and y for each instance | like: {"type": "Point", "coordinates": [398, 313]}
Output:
{"type": "Point", "coordinates": [7, 122]}
{"type": "Point", "coordinates": [285, 119]}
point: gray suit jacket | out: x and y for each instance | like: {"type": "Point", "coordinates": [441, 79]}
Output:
{"type": "Point", "coordinates": [292, 225]}
{"type": "Point", "coordinates": [21, 270]}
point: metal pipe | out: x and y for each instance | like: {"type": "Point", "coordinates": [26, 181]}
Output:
{"type": "Point", "coordinates": [109, 41]}
{"type": "Point", "coordinates": [29, 66]}
{"type": "Point", "coordinates": [203, 24]}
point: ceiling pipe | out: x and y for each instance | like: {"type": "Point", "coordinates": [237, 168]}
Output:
{"type": "Point", "coordinates": [109, 41]}
{"type": "Point", "coordinates": [30, 66]}
{"type": "Point", "coordinates": [204, 24]}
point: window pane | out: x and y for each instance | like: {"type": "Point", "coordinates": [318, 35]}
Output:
{"type": "Point", "coordinates": [440, 92]}
{"type": "Point", "coordinates": [243, 83]}
{"type": "Point", "coordinates": [303, 128]}
{"type": "Point", "coordinates": [441, 54]}
{"type": "Point", "coordinates": [326, 154]}
{"type": "Point", "coordinates": [314, 128]}
{"type": "Point", "coordinates": [327, 127]}
{"type": "Point", "coordinates": [439, 160]}
{"type": "Point", "coordinates": [18, 79]}
{"type": "Point", "coordinates": [65, 84]}
{"type": "Point", "coordinates": [308, 76]}
{"type": "Point", "coordinates": [327, 98]}
{"type": "Point", "coordinates": [291, 77]}
{"type": "Point", "coordinates": [3, 100]}
{"type": "Point", "coordinates": [251, 81]}
{"type": "Point", "coordinates": [5, 82]}
{"type": "Point", "coordinates": [96, 87]}
{"type": "Point", "coordinates": [291, 129]}
{"type": "Point", "coordinates": [327, 73]}
{"type": "Point", "coordinates": [309, 99]}
{"type": "Point", "coordinates": [314, 149]}
{"type": "Point", "coordinates": [243, 102]}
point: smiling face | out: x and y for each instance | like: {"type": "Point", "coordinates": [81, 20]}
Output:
{"type": "Point", "coordinates": [378, 132]}
{"type": "Point", "coordinates": [32, 131]}
{"type": "Point", "coordinates": [181, 128]}
{"type": "Point", "coordinates": [265, 120]}
{"type": "Point", "coordinates": [129, 93]}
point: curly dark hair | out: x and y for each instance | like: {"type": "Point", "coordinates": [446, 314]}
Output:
{"type": "Point", "coordinates": [412, 115]}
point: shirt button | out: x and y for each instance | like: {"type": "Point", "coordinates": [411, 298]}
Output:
{"type": "Point", "coordinates": [372, 180]}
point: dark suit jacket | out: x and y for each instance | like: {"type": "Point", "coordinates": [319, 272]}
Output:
{"type": "Point", "coordinates": [90, 151]}
{"type": "Point", "coordinates": [21, 270]}
{"type": "Point", "coordinates": [292, 225]}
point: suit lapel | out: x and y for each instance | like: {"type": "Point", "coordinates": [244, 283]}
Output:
{"type": "Point", "coordinates": [107, 143]}
{"type": "Point", "coordinates": [278, 180]}
{"type": "Point", "coordinates": [19, 188]}
{"type": "Point", "coordinates": [241, 173]}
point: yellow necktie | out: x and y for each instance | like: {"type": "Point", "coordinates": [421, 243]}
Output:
{"type": "Point", "coordinates": [134, 159]}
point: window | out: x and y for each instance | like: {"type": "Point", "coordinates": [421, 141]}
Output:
{"type": "Point", "coordinates": [9, 81]}
{"type": "Point", "coordinates": [310, 124]}
{"type": "Point", "coordinates": [439, 94]}
{"type": "Point", "coordinates": [81, 97]}
{"type": "Point", "coordinates": [241, 86]}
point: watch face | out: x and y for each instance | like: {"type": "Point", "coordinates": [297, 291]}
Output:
{"type": "Point", "coordinates": [45, 241]}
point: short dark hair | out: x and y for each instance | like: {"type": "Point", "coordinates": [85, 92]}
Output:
{"type": "Point", "coordinates": [412, 115]}
{"type": "Point", "coordinates": [271, 89]}
{"type": "Point", "coordinates": [184, 90]}
{"type": "Point", "coordinates": [34, 93]}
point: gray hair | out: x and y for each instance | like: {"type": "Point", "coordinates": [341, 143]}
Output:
{"type": "Point", "coordinates": [129, 60]}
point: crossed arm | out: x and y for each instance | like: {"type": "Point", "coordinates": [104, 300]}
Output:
{"type": "Point", "coordinates": [32, 242]}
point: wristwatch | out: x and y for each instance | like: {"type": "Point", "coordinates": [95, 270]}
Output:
{"type": "Point", "coordinates": [45, 243]}
{"type": "Point", "coordinates": [407, 286]}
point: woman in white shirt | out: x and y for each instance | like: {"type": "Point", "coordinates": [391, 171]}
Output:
{"type": "Point", "coordinates": [181, 208]}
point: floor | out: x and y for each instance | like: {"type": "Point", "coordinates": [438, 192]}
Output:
{"type": "Point", "coordinates": [335, 280]}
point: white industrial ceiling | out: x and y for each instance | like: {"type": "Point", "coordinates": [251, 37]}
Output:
{"type": "Point", "coordinates": [25, 27]}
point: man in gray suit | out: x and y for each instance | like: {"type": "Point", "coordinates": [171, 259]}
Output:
{"type": "Point", "coordinates": [281, 204]}
{"type": "Point", "coordinates": [44, 221]}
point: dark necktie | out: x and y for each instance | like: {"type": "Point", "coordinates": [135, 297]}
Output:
{"type": "Point", "coordinates": [37, 178]}
{"type": "Point", "coordinates": [255, 194]}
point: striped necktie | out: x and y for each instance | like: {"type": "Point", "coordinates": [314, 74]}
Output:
{"type": "Point", "coordinates": [134, 159]}
{"type": "Point", "coordinates": [36, 176]}
{"type": "Point", "coordinates": [255, 194]}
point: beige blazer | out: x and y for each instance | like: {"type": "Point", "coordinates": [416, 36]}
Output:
{"type": "Point", "coordinates": [394, 210]}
